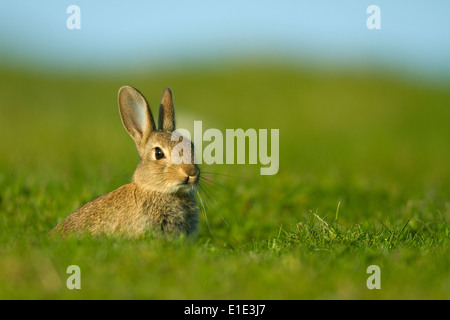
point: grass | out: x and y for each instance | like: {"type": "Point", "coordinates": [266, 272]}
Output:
{"type": "Point", "coordinates": [364, 179]}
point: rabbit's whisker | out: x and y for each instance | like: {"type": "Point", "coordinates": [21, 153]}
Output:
{"type": "Point", "coordinates": [205, 215]}
{"type": "Point", "coordinates": [209, 197]}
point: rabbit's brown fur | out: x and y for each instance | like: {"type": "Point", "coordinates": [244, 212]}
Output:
{"type": "Point", "coordinates": [161, 197]}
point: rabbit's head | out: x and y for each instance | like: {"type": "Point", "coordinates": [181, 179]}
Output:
{"type": "Point", "coordinates": [167, 159]}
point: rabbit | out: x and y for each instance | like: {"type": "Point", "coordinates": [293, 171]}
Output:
{"type": "Point", "coordinates": [161, 197]}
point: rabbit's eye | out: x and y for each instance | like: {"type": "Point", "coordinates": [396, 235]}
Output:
{"type": "Point", "coordinates": [159, 154]}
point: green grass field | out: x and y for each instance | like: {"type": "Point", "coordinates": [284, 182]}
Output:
{"type": "Point", "coordinates": [364, 180]}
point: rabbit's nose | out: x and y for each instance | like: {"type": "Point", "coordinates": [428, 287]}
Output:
{"type": "Point", "coordinates": [190, 170]}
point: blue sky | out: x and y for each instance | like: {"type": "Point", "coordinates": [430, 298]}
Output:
{"type": "Point", "coordinates": [127, 34]}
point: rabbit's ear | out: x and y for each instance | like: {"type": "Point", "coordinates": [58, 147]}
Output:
{"type": "Point", "coordinates": [166, 118]}
{"type": "Point", "coordinates": [136, 116]}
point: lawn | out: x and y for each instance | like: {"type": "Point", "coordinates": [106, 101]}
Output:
{"type": "Point", "coordinates": [363, 180]}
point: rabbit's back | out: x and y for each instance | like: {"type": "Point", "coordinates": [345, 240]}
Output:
{"type": "Point", "coordinates": [130, 210]}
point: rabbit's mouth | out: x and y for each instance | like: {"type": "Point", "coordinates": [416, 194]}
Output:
{"type": "Point", "coordinates": [191, 180]}
{"type": "Point", "coordinates": [188, 183]}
